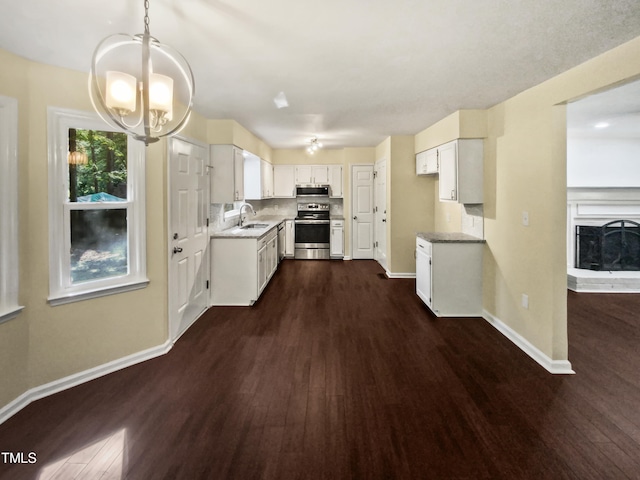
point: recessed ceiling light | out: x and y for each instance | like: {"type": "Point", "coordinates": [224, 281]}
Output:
{"type": "Point", "coordinates": [601, 125]}
{"type": "Point", "coordinates": [281, 100]}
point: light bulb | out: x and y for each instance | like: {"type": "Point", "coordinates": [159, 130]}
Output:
{"type": "Point", "coordinates": [121, 91]}
{"type": "Point", "coordinates": [161, 93]}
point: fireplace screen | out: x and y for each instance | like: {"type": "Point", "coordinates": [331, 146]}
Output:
{"type": "Point", "coordinates": [613, 246]}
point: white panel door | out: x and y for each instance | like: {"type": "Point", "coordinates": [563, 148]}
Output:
{"type": "Point", "coordinates": [380, 213]}
{"type": "Point", "coordinates": [362, 211]}
{"type": "Point", "coordinates": [189, 236]}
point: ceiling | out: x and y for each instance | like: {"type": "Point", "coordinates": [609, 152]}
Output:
{"type": "Point", "coordinates": [353, 71]}
{"type": "Point", "coordinates": [614, 113]}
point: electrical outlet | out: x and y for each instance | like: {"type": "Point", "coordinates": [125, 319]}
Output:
{"type": "Point", "coordinates": [525, 301]}
{"type": "Point", "coordinates": [525, 219]}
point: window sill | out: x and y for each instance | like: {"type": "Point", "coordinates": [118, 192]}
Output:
{"type": "Point", "coordinates": [9, 314]}
{"type": "Point", "coordinates": [91, 294]}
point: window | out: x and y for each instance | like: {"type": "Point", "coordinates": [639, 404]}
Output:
{"type": "Point", "coordinates": [9, 273]}
{"type": "Point", "coordinates": [96, 209]}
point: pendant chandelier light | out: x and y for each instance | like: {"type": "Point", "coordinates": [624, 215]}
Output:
{"type": "Point", "coordinates": [141, 86]}
{"type": "Point", "coordinates": [77, 158]}
{"type": "Point", "coordinates": [314, 146]}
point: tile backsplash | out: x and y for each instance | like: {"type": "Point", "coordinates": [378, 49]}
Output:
{"type": "Point", "coordinates": [282, 207]}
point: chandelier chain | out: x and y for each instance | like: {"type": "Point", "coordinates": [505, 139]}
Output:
{"type": "Point", "coordinates": [146, 16]}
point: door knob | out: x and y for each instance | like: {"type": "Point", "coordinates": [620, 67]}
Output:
{"type": "Point", "coordinates": [355, 218]}
{"type": "Point", "coordinates": [384, 220]}
{"type": "Point", "coordinates": [177, 249]}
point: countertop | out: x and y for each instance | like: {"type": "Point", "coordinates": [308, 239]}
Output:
{"type": "Point", "coordinates": [235, 232]}
{"type": "Point", "coordinates": [454, 237]}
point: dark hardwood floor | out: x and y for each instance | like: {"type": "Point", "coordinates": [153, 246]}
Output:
{"type": "Point", "coordinates": [337, 373]}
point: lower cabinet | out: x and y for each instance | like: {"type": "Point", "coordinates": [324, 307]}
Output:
{"type": "Point", "coordinates": [289, 238]}
{"type": "Point", "coordinates": [337, 239]}
{"type": "Point", "coordinates": [449, 277]}
{"type": "Point", "coordinates": [242, 267]}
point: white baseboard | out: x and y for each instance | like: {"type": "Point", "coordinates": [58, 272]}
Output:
{"type": "Point", "coordinates": [400, 275]}
{"type": "Point", "coordinates": [553, 366]}
{"type": "Point", "coordinates": [81, 377]}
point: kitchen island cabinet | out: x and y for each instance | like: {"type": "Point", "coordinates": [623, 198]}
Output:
{"type": "Point", "coordinates": [449, 273]}
{"type": "Point", "coordinates": [241, 267]}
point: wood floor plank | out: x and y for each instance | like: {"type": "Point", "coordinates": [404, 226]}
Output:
{"type": "Point", "coordinates": [337, 372]}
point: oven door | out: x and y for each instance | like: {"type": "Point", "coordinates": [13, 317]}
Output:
{"type": "Point", "coordinates": [312, 239]}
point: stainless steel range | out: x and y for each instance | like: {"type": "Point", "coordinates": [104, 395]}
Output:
{"type": "Point", "coordinates": [312, 231]}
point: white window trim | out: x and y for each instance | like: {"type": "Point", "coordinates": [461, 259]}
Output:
{"type": "Point", "coordinates": [9, 215]}
{"type": "Point", "coordinates": [61, 290]}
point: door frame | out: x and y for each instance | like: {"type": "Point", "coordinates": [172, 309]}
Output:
{"type": "Point", "coordinates": [171, 271]}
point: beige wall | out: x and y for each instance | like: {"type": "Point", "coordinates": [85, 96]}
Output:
{"type": "Point", "coordinates": [525, 170]}
{"type": "Point", "coordinates": [14, 334]}
{"type": "Point", "coordinates": [410, 205]}
{"type": "Point", "coordinates": [47, 343]}
{"type": "Point", "coordinates": [230, 132]}
{"type": "Point", "coordinates": [409, 202]}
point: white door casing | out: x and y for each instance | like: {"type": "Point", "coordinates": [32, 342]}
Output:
{"type": "Point", "coordinates": [362, 220]}
{"type": "Point", "coordinates": [188, 234]}
{"type": "Point", "coordinates": [380, 212]}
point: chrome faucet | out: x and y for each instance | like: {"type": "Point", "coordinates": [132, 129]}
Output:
{"type": "Point", "coordinates": [250, 208]}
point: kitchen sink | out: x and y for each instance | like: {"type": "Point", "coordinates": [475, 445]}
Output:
{"type": "Point", "coordinates": [254, 225]}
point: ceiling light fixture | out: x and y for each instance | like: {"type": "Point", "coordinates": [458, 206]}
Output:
{"type": "Point", "coordinates": [77, 158]}
{"type": "Point", "coordinates": [601, 125]}
{"type": "Point", "coordinates": [281, 100]}
{"type": "Point", "coordinates": [314, 146]}
{"type": "Point", "coordinates": [141, 86]}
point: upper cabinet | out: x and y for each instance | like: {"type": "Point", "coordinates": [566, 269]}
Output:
{"type": "Point", "coordinates": [227, 175]}
{"type": "Point", "coordinates": [286, 177]}
{"type": "Point", "coordinates": [312, 174]}
{"type": "Point", "coordinates": [460, 171]}
{"type": "Point", "coordinates": [284, 181]}
{"type": "Point", "coordinates": [427, 162]}
{"type": "Point", "coordinates": [258, 178]}
{"type": "Point", "coordinates": [335, 180]}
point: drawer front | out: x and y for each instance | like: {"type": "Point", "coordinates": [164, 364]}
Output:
{"type": "Point", "coordinates": [423, 245]}
{"type": "Point", "coordinates": [337, 223]}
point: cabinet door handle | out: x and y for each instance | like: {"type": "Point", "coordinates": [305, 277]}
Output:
{"type": "Point", "coordinates": [421, 246]}
{"type": "Point", "coordinates": [452, 194]}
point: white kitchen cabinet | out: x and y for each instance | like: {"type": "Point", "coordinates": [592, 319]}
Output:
{"type": "Point", "coordinates": [312, 175]}
{"type": "Point", "coordinates": [460, 171]}
{"type": "Point", "coordinates": [449, 276]}
{"type": "Point", "coordinates": [227, 174]}
{"type": "Point", "coordinates": [242, 267]}
{"type": "Point", "coordinates": [267, 179]}
{"type": "Point", "coordinates": [262, 268]}
{"type": "Point", "coordinates": [337, 239]}
{"type": "Point", "coordinates": [335, 180]}
{"type": "Point", "coordinates": [258, 178]}
{"type": "Point", "coordinates": [427, 162]}
{"type": "Point", "coordinates": [284, 181]}
{"type": "Point", "coordinates": [289, 238]}
{"type": "Point", "coordinates": [423, 271]}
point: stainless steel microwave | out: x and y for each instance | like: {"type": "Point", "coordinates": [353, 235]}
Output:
{"type": "Point", "coordinates": [312, 190]}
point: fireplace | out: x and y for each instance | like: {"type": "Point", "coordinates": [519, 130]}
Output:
{"type": "Point", "coordinates": [614, 246]}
